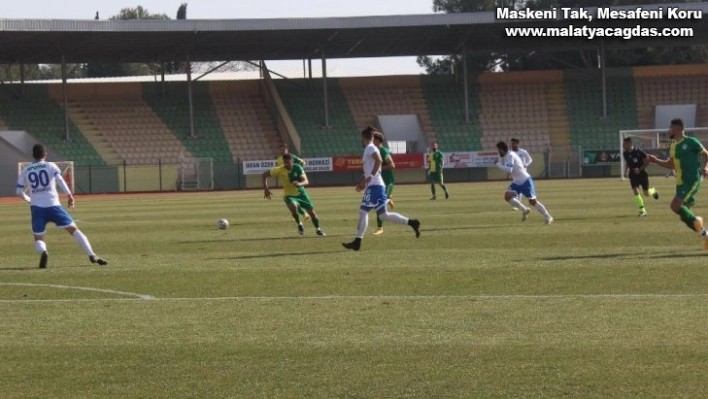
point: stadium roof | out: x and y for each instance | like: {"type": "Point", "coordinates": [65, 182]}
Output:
{"type": "Point", "coordinates": [44, 41]}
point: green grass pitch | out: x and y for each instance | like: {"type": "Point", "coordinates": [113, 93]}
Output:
{"type": "Point", "coordinates": [599, 304]}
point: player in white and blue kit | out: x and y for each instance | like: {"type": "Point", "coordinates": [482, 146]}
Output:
{"type": "Point", "coordinates": [521, 183]}
{"type": "Point", "coordinates": [375, 194]}
{"type": "Point", "coordinates": [41, 178]}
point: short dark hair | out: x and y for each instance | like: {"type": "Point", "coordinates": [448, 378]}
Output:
{"type": "Point", "coordinates": [39, 151]}
{"type": "Point", "coordinates": [513, 140]}
{"type": "Point", "coordinates": [287, 157]}
{"type": "Point", "coordinates": [677, 122]}
{"type": "Point", "coordinates": [283, 145]}
{"type": "Point", "coordinates": [368, 132]}
{"type": "Point", "coordinates": [627, 140]}
{"type": "Point", "coordinates": [379, 136]}
{"type": "Point", "coordinates": [502, 146]}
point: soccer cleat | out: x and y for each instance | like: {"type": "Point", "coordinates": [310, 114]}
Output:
{"type": "Point", "coordinates": [525, 214]}
{"type": "Point", "coordinates": [447, 195]}
{"type": "Point", "coordinates": [698, 224]}
{"type": "Point", "coordinates": [655, 194]}
{"type": "Point", "coordinates": [96, 259]}
{"type": "Point", "coordinates": [354, 245]}
{"type": "Point", "coordinates": [378, 231]}
{"type": "Point", "coordinates": [549, 220]}
{"type": "Point", "coordinates": [320, 233]}
{"type": "Point", "coordinates": [514, 208]}
{"type": "Point", "coordinates": [43, 260]}
{"type": "Point", "coordinates": [415, 224]}
{"type": "Point", "coordinates": [390, 203]}
{"type": "Point", "coordinates": [433, 198]}
{"type": "Point", "coordinates": [642, 214]}
{"type": "Point", "coordinates": [300, 229]}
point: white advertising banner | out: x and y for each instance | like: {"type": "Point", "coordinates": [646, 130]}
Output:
{"type": "Point", "coordinates": [313, 165]}
{"type": "Point", "coordinates": [469, 159]}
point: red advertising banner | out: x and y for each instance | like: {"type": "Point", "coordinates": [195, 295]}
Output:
{"type": "Point", "coordinates": [408, 161]}
{"type": "Point", "coordinates": [354, 163]}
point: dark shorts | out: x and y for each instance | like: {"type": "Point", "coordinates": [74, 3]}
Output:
{"type": "Point", "coordinates": [639, 180]}
{"type": "Point", "coordinates": [302, 200]}
{"type": "Point", "coordinates": [436, 177]}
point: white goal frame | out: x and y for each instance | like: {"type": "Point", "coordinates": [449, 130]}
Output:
{"type": "Point", "coordinates": [196, 174]}
{"type": "Point", "coordinates": [655, 138]}
{"type": "Point", "coordinates": [66, 167]}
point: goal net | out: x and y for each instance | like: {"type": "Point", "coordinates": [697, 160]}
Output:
{"type": "Point", "coordinates": [196, 174]}
{"type": "Point", "coordinates": [656, 142]}
{"type": "Point", "coordinates": [66, 167]}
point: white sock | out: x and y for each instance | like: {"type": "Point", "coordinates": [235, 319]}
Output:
{"type": "Point", "coordinates": [514, 202]}
{"type": "Point", "coordinates": [40, 246]}
{"type": "Point", "coordinates": [83, 243]}
{"type": "Point", "coordinates": [363, 223]}
{"type": "Point", "coordinates": [542, 209]}
{"type": "Point", "coordinates": [393, 217]}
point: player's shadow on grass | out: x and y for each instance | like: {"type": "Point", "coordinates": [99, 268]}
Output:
{"type": "Point", "coordinates": [424, 229]}
{"type": "Point", "coordinates": [623, 255]}
{"type": "Point", "coordinates": [254, 239]}
{"type": "Point", "coordinates": [281, 255]}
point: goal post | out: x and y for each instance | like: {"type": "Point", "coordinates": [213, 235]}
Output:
{"type": "Point", "coordinates": [66, 167]}
{"type": "Point", "coordinates": [196, 174]}
{"type": "Point", "coordinates": [655, 142]}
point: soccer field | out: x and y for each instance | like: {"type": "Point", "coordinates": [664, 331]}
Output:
{"type": "Point", "coordinates": [599, 304]}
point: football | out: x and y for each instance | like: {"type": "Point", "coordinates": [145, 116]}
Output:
{"type": "Point", "coordinates": [223, 224]}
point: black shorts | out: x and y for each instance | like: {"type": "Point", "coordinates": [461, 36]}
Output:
{"type": "Point", "coordinates": [641, 179]}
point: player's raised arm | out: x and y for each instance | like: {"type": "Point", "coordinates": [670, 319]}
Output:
{"type": "Point", "coordinates": [664, 163]}
{"type": "Point", "coordinates": [304, 181]}
{"type": "Point", "coordinates": [264, 178]}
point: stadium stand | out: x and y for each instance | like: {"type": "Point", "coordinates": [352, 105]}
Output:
{"type": "Point", "coordinates": [44, 120]}
{"type": "Point", "coordinates": [665, 85]}
{"type": "Point", "coordinates": [584, 104]}
{"type": "Point", "coordinates": [514, 105]}
{"type": "Point", "coordinates": [127, 131]}
{"type": "Point", "coordinates": [3, 126]}
{"type": "Point", "coordinates": [305, 103]}
{"type": "Point", "coordinates": [173, 109]}
{"type": "Point", "coordinates": [446, 106]}
{"type": "Point", "coordinates": [386, 95]}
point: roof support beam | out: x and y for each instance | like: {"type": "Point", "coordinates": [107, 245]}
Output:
{"type": "Point", "coordinates": [324, 89]}
{"type": "Point", "coordinates": [189, 97]}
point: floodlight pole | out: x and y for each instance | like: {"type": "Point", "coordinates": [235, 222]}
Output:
{"type": "Point", "coordinates": [324, 88]}
{"type": "Point", "coordinates": [465, 83]}
{"type": "Point", "coordinates": [603, 73]}
{"type": "Point", "coordinates": [65, 98]}
{"type": "Point", "coordinates": [189, 95]}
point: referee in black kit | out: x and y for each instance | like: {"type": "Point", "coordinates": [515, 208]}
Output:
{"type": "Point", "coordinates": [636, 161]}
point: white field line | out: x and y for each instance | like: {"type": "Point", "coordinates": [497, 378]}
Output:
{"type": "Point", "coordinates": [139, 297]}
{"type": "Point", "coordinates": [68, 287]}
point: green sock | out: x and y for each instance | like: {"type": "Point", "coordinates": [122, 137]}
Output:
{"type": "Point", "coordinates": [379, 222]}
{"type": "Point", "coordinates": [687, 216]}
{"type": "Point", "coordinates": [444, 187]}
{"type": "Point", "coordinates": [640, 202]}
{"type": "Point", "coordinates": [389, 190]}
{"type": "Point", "coordinates": [301, 211]}
{"type": "Point", "coordinates": [316, 222]}
{"type": "Point", "coordinates": [432, 189]}
{"type": "Point", "coordinates": [296, 217]}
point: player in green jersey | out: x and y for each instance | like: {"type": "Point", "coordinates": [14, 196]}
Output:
{"type": "Point", "coordinates": [284, 149]}
{"type": "Point", "coordinates": [687, 157]}
{"type": "Point", "coordinates": [436, 162]}
{"type": "Point", "coordinates": [387, 168]}
{"type": "Point", "coordinates": [294, 180]}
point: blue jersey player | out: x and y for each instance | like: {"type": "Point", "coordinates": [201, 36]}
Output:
{"type": "Point", "coordinates": [375, 192]}
{"type": "Point", "coordinates": [41, 178]}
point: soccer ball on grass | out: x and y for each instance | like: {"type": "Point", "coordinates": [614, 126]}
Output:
{"type": "Point", "coordinates": [223, 224]}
